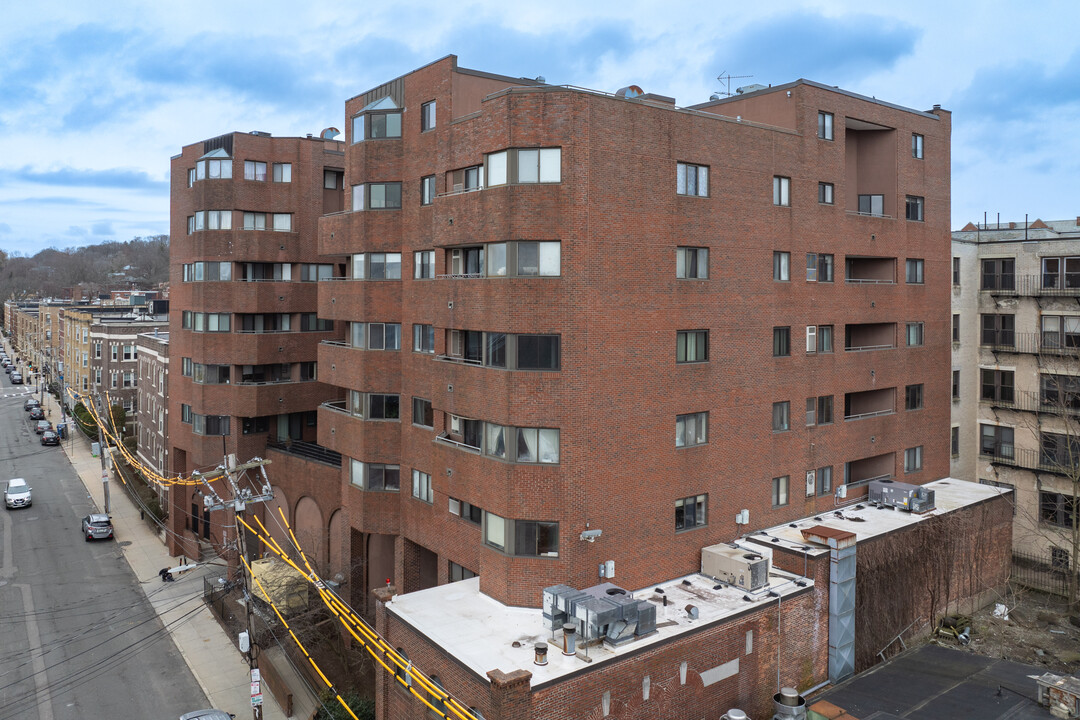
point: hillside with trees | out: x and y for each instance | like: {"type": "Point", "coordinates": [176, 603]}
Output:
{"type": "Point", "coordinates": [142, 262]}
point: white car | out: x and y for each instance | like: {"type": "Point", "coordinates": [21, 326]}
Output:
{"type": "Point", "coordinates": [17, 494]}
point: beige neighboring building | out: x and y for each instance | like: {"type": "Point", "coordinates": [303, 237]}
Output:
{"type": "Point", "coordinates": [152, 421]}
{"type": "Point", "coordinates": [1016, 374]}
{"type": "Point", "coordinates": [76, 353]}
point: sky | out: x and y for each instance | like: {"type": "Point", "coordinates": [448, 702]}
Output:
{"type": "Point", "coordinates": [96, 97]}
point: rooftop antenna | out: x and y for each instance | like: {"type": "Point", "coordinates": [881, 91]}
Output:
{"type": "Point", "coordinates": [725, 79]}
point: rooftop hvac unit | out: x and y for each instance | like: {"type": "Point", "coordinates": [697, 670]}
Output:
{"type": "Point", "coordinates": [604, 611]}
{"type": "Point", "coordinates": [890, 493]}
{"type": "Point", "coordinates": [742, 568]}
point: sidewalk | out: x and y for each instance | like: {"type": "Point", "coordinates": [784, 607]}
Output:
{"type": "Point", "coordinates": [215, 662]}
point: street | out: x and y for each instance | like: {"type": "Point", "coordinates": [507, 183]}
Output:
{"type": "Point", "coordinates": [79, 637]}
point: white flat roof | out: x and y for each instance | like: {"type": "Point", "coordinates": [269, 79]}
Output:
{"type": "Point", "coordinates": [868, 521]}
{"type": "Point", "coordinates": [481, 632]}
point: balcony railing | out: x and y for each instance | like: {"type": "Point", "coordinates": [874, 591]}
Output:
{"type": "Point", "coordinates": [1032, 401]}
{"type": "Point", "coordinates": [868, 281]}
{"type": "Point", "coordinates": [460, 276]}
{"type": "Point", "coordinates": [1064, 285]}
{"type": "Point", "coordinates": [445, 439]}
{"type": "Point", "coordinates": [339, 406]}
{"type": "Point", "coordinates": [1027, 459]}
{"type": "Point", "coordinates": [874, 413]}
{"type": "Point", "coordinates": [1032, 343]}
{"type": "Point", "coordinates": [307, 451]}
{"type": "Point", "coordinates": [458, 359]}
{"type": "Point", "coordinates": [864, 348]}
{"type": "Point", "coordinates": [867, 481]}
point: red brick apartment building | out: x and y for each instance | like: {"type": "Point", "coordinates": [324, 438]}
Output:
{"type": "Point", "coordinates": [244, 335]}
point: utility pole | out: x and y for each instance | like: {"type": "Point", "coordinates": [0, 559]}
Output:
{"type": "Point", "coordinates": [103, 448]}
{"type": "Point", "coordinates": [241, 498]}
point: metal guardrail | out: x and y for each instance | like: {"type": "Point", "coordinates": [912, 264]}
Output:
{"type": "Point", "coordinates": [1032, 401]}
{"type": "Point", "coordinates": [1027, 459]}
{"type": "Point", "coordinates": [867, 481]}
{"type": "Point", "coordinates": [876, 413]}
{"type": "Point", "coordinates": [458, 360]}
{"type": "Point", "coordinates": [1040, 572]}
{"type": "Point", "coordinates": [1063, 285]}
{"type": "Point", "coordinates": [447, 441]}
{"type": "Point", "coordinates": [864, 348]}
{"type": "Point", "coordinates": [308, 451]}
{"type": "Point", "coordinates": [868, 281]}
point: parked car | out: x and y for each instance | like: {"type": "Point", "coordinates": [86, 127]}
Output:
{"type": "Point", "coordinates": [36, 413]}
{"type": "Point", "coordinates": [17, 494]}
{"type": "Point", "coordinates": [97, 527]}
{"type": "Point", "coordinates": [31, 403]}
{"type": "Point", "coordinates": [207, 715]}
{"type": "Point", "coordinates": [50, 438]}
{"type": "Point", "coordinates": [9, 368]}
{"type": "Point", "coordinates": [16, 378]}
{"type": "Point", "coordinates": [42, 426]}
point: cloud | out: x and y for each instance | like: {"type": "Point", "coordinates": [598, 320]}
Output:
{"type": "Point", "coordinates": [1022, 90]}
{"type": "Point", "coordinates": [806, 45]}
{"type": "Point", "coordinates": [115, 178]}
{"type": "Point", "coordinates": [102, 228]}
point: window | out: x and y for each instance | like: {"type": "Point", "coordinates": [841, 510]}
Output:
{"type": "Point", "coordinates": [997, 386]}
{"type": "Point", "coordinates": [308, 369]}
{"type": "Point", "coordinates": [1059, 453]}
{"type": "Point", "coordinates": [691, 429]}
{"type": "Point", "coordinates": [214, 425]}
{"type": "Point", "coordinates": [692, 180]}
{"type": "Point", "coordinates": [781, 191]}
{"type": "Point", "coordinates": [427, 190]}
{"type": "Point", "coordinates": [913, 459]}
{"type": "Point", "coordinates": [210, 374]}
{"type": "Point", "coordinates": [781, 416]}
{"type": "Point", "coordinates": [283, 222]}
{"type": "Point", "coordinates": [955, 384]}
{"type": "Point", "coordinates": [1060, 391]}
{"type": "Point", "coordinates": [186, 367]}
{"type": "Point", "coordinates": [457, 573]}
{"type": "Point", "coordinates": [536, 259]}
{"type": "Point", "coordinates": [421, 486]}
{"type": "Point", "coordinates": [956, 327]}
{"type": "Point", "coordinates": [383, 407]}
{"type": "Point", "coordinates": [1059, 559]}
{"type": "Point", "coordinates": [913, 397]}
{"type": "Point", "coordinates": [819, 410]}
{"type": "Point", "coordinates": [999, 274]}
{"type": "Point", "coordinates": [537, 352]}
{"type": "Point", "coordinates": [282, 172]}
{"type": "Point", "coordinates": [1057, 509]}
{"type": "Point", "coordinates": [114, 352]}
{"type": "Point", "coordinates": [424, 264]}
{"type": "Point", "coordinates": [819, 338]}
{"type": "Point", "coordinates": [357, 129]}
{"type": "Point", "coordinates": [825, 193]}
{"type": "Point", "coordinates": [528, 538]}
{"type": "Point", "coordinates": [692, 263]}
{"type": "Point", "coordinates": [914, 208]}
{"type": "Point", "coordinates": [384, 125]}
{"type": "Point", "coordinates": [502, 350]}
{"type": "Point", "coordinates": [467, 179]}
{"type": "Point", "coordinates": [914, 271]}
{"type": "Point", "coordinates": [129, 379]}
{"type": "Point", "coordinates": [781, 266]}
{"type": "Point", "coordinates": [956, 271]}
{"type": "Point", "coordinates": [872, 205]}
{"type": "Point", "coordinates": [380, 336]}
{"type": "Point", "coordinates": [377, 266]}
{"type": "Point", "coordinates": [311, 272]}
{"type": "Point", "coordinates": [996, 440]}
{"type": "Point", "coordinates": [422, 413]}
{"type": "Point", "coordinates": [210, 170]}
{"type": "Point", "coordinates": [1061, 273]}
{"type": "Point", "coordinates": [423, 338]}
{"type": "Point", "coordinates": [692, 346]}
{"type": "Point", "coordinates": [780, 490]}
{"type": "Point", "coordinates": [781, 341]}
{"type": "Point", "coordinates": [254, 221]}
{"type": "Point", "coordinates": [819, 267]}
{"type": "Point", "coordinates": [999, 330]}
{"type": "Point", "coordinates": [466, 511]}
{"type": "Point", "coordinates": [332, 179]}
{"type": "Point", "coordinates": [524, 166]}
{"type": "Point", "coordinates": [1059, 331]}
{"type": "Point", "coordinates": [822, 480]}
{"type": "Point", "coordinates": [207, 271]}
{"type": "Point", "coordinates": [955, 441]}
{"type": "Point", "coordinates": [914, 334]}
{"type": "Point", "coordinates": [427, 116]}
{"type": "Point", "coordinates": [205, 322]}
{"type": "Point", "coordinates": [384, 196]}
{"type": "Point", "coordinates": [254, 170]}
{"type": "Point", "coordinates": [375, 476]}
{"type": "Point", "coordinates": [917, 146]}
{"type": "Point", "coordinates": [310, 322]}
{"type": "Point", "coordinates": [185, 414]}
{"type": "Point", "coordinates": [825, 125]}
{"type": "Point", "coordinates": [691, 512]}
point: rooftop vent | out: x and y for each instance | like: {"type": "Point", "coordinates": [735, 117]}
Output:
{"type": "Point", "coordinates": [736, 566]}
{"type": "Point", "coordinates": [754, 87]}
{"type": "Point", "coordinates": [602, 612]}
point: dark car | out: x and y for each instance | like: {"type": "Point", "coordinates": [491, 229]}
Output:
{"type": "Point", "coordinates": [42, 426]}
{"type": "Point", "coordinates": [97, 527]}
{"type": "Point", "coordinates": [16, 378]}
{"type": "Point", "coordinates": [36, 413]}
{"type": "Point", "coordinates": [50, 438]}
{"type": "Point", "coordinates": [31, 403]}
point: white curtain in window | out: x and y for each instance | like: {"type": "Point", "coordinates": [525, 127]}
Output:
{"type": "Point", "coordinates": [549, 445]}
{"type": "Point", "coordinates": [356, 473]}
{"type": "Point", "coordinates": [496, 260]}
{"type": "Point", "coordinates": [358, 334]}
{"type": "Point", "coordinates": [358, 266]}
{"type": "Point", "coordinates": [526, 445]}
{"type": "Point", "coordinates": [496, 440]}
{"type": "Point", "coordinates": [358, 197]}
{"type": "Point", "coordinates": [494, 530]}
{"type": "Point", "coordinates": [703, 181]}
{"type": "Point", "coordinates": [283, 222]}
{"type": "Point", "coordinates": [528, 170]}
{"type": "Point", "coordinates": [550, 258]}
{"type": "Point", "coordinates": [551, 165]}
{"type": "Point", "coordinates": [393, 266]}
{"type": "Point", "coordinates": [496, 168]}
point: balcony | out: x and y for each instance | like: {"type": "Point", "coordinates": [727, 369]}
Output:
{"type": "Point", "coordinates": [1026, 459]}
{"type": "Point", "coordinates": [1048, 285]}
{"type": "Point", "coordinates": [870, 270]}
{"type": "Point", "coordinates": [349, 299]}
{"type": "Point", "coordinates": [308, 451]}
{"type": "Point", "coordinates": [1032, 401]}
{"type": "Point", "coordinates": [1032, 343]}
{"type": "Point", "coordinates": [862, 472]}
{"type": "Point", "coordinates": [863, 337]}
{"type": "Point", "coordinates": [869, 404]}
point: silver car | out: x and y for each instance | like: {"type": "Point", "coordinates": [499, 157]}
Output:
{"type": "Point", "coordinates": [17, 494]}
{"type": "Point", "coordinates": [97, 527]}
{"type": "Point", "coordinates": [207, 715]}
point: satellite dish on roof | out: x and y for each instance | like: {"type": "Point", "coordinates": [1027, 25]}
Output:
{"type": "Point", "coordinates": [630, 91]}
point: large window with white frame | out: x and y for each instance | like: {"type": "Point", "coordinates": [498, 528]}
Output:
{"type": "Point", "coordinates": [691, 179]}
{"type": "Point", "coordinates": [526, 538]}
{"type": "Point", "coordinates": [376, 266]}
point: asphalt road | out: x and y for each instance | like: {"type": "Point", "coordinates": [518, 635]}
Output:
{"type": "Point", "coordinates": [78, 637]}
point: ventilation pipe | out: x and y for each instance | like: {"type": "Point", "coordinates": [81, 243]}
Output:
{"type": "Point", "coordinates": [541, 654]}
{"type": "Point", "coordinates": [569, 639]}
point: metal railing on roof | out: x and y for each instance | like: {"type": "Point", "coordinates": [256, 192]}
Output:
{"type": "Point", "coordinates": [308, 451]}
